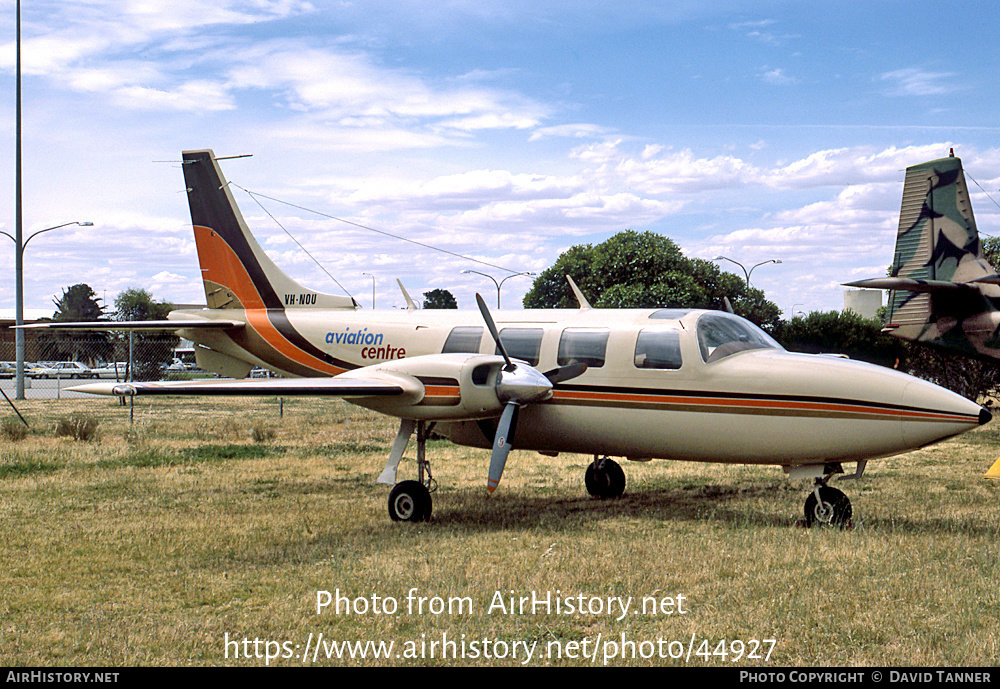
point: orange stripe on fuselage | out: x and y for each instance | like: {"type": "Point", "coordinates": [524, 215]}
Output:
{"type": "Point", "coordinates": [729, 404]}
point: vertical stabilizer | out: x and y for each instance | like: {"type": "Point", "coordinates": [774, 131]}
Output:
{"type": "Point", "coordinates": [937, 240]}
{"type": "Point", "coordinates": [236, 271]}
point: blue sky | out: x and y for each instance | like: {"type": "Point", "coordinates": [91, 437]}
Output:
{"type": "Point", "coordinates": [507, 132]}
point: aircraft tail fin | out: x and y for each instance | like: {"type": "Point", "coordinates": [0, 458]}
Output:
{"type": "Point", "coordinates": [939, 275]}
{"type": "Point", "coordinates": [236, 271]}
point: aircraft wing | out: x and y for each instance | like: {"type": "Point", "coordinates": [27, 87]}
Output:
{"type": "Point", "coordinates": [138, 326]}
{"type": "Point", "coordinates": [376, 384]}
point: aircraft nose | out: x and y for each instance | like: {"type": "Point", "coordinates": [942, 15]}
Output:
{"type": "Point", "coordinates": [932, 413]}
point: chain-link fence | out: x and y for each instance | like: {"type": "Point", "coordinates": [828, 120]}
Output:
{"type": "Point", "coordinates": [57, 360]}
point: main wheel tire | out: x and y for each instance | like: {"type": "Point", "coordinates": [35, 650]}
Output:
{"type": "Point", "coordinates": [832, 509]}
{"type": "Point", "coordinates": [606, 482]}
{"type": "Point", "coordinates": [409, 501]}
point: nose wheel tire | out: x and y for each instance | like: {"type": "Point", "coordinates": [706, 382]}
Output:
{"type": "Point", "coordinates": [605, 479]}
{"type": "Point", "coordinates": [409, 501]}
{"type": "Point", "coordinates": [833, 508]}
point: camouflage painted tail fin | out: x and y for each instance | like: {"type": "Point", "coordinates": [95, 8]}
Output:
{"type": "Point", "coordinates": [939, 277]}
{"type": "Point", "coordinates": [236, 271]}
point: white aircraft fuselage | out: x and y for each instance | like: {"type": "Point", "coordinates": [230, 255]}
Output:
{"type": "Point", "coordinates": [760, 406]}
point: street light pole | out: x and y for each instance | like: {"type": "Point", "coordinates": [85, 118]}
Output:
{"type": "Point", "coordinates": [746, 272]}
{"type": "Point", "coordinates": [18, 230]}
{"type": "Point", "coordinates": [19, 247]}
{"type": "Point", "coordinates": [498, 284]}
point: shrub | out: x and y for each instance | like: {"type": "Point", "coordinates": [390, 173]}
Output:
{"type": "Point", "coordinates": [13, 429]}
{"type": "Point", "coordinates": [78, 425]}
{"type": "Point", "coordinates": [262, 433]}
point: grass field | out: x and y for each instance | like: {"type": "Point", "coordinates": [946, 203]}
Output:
{"type": "Point", "coordinates": [203, 534]}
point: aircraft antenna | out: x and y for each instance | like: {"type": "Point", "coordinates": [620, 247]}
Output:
{"type": "Point", "coordinates": [297, 242]}
{"type": "Point", "coordinates": [254, 196]}
{"type": "Point", "coordinates": [987, 196]}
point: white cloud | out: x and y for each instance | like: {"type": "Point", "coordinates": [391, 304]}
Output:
{"type": "Point", "coordinates": [913, 81]}
{"type": "Point", "coordinates": [777, 77]}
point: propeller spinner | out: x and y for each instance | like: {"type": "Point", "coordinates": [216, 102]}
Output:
{"type": "Point", "coordinates": [517, 384]}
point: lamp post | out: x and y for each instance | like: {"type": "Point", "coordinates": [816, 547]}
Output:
{"type": "Point", "coordinates": [19, 247]}
{"type": "Point", "coordinates": [373, 288]}
{"type": "Point", "coordinates": [746, 272]}
{"type": "Point", "coordinates": [498, 284]}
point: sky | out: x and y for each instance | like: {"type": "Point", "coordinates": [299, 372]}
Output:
{"type": "Point", "coordinates": [504, 132]}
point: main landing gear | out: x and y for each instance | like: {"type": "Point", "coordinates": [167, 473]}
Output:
{"type": "Point", "coordinates": [605, 478]}
{"type": "Point", "coordinates": [410, 501]}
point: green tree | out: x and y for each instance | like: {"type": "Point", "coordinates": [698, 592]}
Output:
{"type": "Point", "coordinates": [646, 270]}
{"type": "Point", "coordinates": [841, 332]}
{"type": "Point", "coordinates": [78, 303]}
{"type": "Point", "coordinates": [150, 350]}
{"type": "Point", "coordinates": [440, 299]}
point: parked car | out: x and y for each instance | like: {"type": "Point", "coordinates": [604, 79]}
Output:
{"type": "Point", "coordinates": [115, 370]}
{"type": "Point", "coordinates": [8, 369]}
{"type": "Point", "coordinates": [59, 369]}
{"type": "Point", "coordinates": [43, 369]}
{"type": "Point", "coordinates": [73, 369]}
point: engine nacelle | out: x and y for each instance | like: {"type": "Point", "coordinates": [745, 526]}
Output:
{"type": "Point", "coordinates": [455, 386]}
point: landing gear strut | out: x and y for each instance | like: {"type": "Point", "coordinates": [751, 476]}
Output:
{"type": "Point", "coordinates": [410, 501]}
{"type": "Point", "coordinates": [605, 478]}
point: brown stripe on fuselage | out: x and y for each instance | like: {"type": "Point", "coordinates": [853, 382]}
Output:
{"type": "Point", "coordinates": [727, 404]}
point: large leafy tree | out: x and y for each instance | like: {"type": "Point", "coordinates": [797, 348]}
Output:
{"type": "Point", "coordinates": [77, 303]}
{"type": "Point", "coordinates": [440, 299]}
{"type": "Point", "coordinates": [645, 270]}
{"type": "Point", "coordinates": [150, 350]}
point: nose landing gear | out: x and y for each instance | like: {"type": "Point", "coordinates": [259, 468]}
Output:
{"type": "Point", "coordinates": [828, 507]}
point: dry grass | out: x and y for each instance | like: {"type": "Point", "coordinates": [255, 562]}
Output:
{"type": "Point", "coordinates": [151, 543]}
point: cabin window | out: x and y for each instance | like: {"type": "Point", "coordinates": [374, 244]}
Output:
{"type": "Point", "coordinates": [583, 345]}
{"type": "Point", "coordinates": [522, 343]}
{"type": "Point", "coordinates": [720, 335]}
{"type": "Point", "coordinates": [658, 349]}
{"type": "Point", "coordinates": [463, 340]}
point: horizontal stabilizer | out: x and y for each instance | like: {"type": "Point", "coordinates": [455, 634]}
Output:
{"type": "Point", "coordinates": [909, 284]}
{"type": "Point", "coordinates": [137, 326]}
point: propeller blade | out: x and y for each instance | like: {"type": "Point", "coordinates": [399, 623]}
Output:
{"type": "Point", "coordinates": [502, 444]}
{"type": "Point", "coordinates": [492, 327]}
{"type": "Point", "coordinates": [564, 373]}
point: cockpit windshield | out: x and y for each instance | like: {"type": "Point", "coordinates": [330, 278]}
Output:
{"type": "Point", "coordinates": [720, 334]}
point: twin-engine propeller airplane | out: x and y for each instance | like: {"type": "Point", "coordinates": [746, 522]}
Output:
{"type": "Point", "coordinates": [641, 383]}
